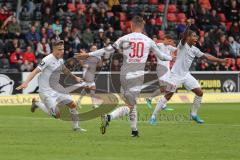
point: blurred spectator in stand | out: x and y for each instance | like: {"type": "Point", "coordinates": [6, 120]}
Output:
{"type": "Point", "coordinates": [111, 34]}
{"type": "Point", "coordinates": [80, 20]}
{"type": "Point", "coordinates": [43, 49]}
{"type": "Point", "coordinates": [57, 27]}
{"type": "Point", "coordinates": [13, 27]}
{"type": "Point", "coordinates": [192, 13]}
{"type": "Point", "coordinates": [115, 65]}
{"type": "Point", "coordinates": [47, 16]}
{"type": "Point", "coordinates": [4, 14]}
{"type": "Point", "coordinates": [204, 20]}
{"type": "Point", "coordinates": [224, 47]}
{"type": "Point", "coordinates": [234, 47]}
{"type": "Point", "coordinates": [99, 39]}
{"type": "Point", "coordinates": [194, 27]}
{"type": "Point", "coordinates": [24, 14]}
{"type": "Point", "coordinates": [232, 12]}
{"type": "Point", "coordinates": [101, 18]}
{"type": "Point", "coordinates": [29, 56]}
{"type": "Point", "coordinates": [235, 30]}
{"type": "Point", "coordinates": [32, 37]}
{"type": "Point", "coordinates": [68, 23]}
{"type": "Point", "coordinates": [91, 19]}
{"type": "Point", "coordinates": [115, 22]}
{"type": "Point", "coordinates": [151, 28]}
{"type": "Point", "coordinates": [87, 38]}
{"type": "Point", "coordinates": [16, 59]}
{"type": "Point", "coordinates": [11, 46]}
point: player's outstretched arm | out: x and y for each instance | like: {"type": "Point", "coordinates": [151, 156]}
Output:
{"type": "Point", "coordinates": [214, 59]}
{"type": "Point", "coordinates": [160, 54]}
{"type": "Point", "coordinates": [67, 72]}
{"type": "Point", "coordinates": [29, 78]}
{"type": "Point", "coordinates": [185, 33]}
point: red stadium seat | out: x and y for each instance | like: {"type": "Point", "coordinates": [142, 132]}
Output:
{"type": "Point", "coordinates": [158, 21]}
{"type": "Point", "coordinates": [153, 1]}
{"type": "Point", "coordinates": [181, 16]}
{"type": "Point", "coordinates": [172, 8]}
{"type": "Point", "coordinates": [122, 16]}
{"type": "Point", "coordinates": [72, 7]}
{"type": "Point", "coordinates": [222, 17]}
{"type": "Point", "coordinates": [82, 7]}
{"type": "Point", "coordinates": [171, 17]}
{"type": "Point", "coordinates": [161, 8]}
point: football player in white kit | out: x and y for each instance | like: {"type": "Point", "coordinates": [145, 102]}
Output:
{"type": "Point", "coordinates": [51, 93]}
{"type": "Point", "coordinates": [162, 69]}
{"type": "Point", "coordinates": [89, 71]}
{"type": "Point", "coordinates": [186, 52]}
{"type": "Point", "coordinates": [135, 49]}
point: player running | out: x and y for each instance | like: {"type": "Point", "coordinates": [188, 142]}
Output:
{"type": "Point", "coordinates": [162, 69]}
{"type": "Point", "coordinates": [186, 52]}
{"type": "Point", "coordinates": [50, 91]}
{"type": "Point", "coordinates": [135, 49]}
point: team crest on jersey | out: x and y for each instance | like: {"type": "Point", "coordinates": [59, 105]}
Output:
{"type": "Point", "coordinates": [6, 85]}
{"type": "Point", "coordinates": [42, 63]}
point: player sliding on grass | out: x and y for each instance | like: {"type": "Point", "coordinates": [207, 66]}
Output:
{"type": "Point", "coordinates": [135, 49]}
{"type": "Point", "coordinates": [50, 91]}
{"type": "Point", "coordinates": [162, 69]}
{"type": "Point", "coordinates": [186, 52]}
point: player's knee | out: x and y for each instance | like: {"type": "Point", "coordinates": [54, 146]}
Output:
{"type": "Point", "coordinates": [72, 105]}
{"type": "Point", "coordinates": [168, 96]}
{"type": "Point", "coordinates": [199, 93]}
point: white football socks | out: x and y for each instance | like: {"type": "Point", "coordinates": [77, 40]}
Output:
{"type": "Point", "coordinates": [133, 118]}
{"type": "Point", "coordinates": [74, 116]}
{"type": "Point", "coordinates": [42, 107]}
{"type": "Point", "coordinates": [120, 112]}
{"type": "Point", "coordinates": [161, 103]}
{"type": "Point", "coordinates": [196, 105]}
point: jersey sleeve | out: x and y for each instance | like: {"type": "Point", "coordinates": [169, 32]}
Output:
{"type": "Point", "coordinates": [99, 53]}
{"type": "Point", "coordinates": [118, 43]}
{"type": "Point", "coordinates": [162, 56]}
{"type": "Point", "coordinates": [198, 53]}
{"type": "Point", "coordinates": [171, 48]}
{"type": "Point", "coordinates": [43, 64]}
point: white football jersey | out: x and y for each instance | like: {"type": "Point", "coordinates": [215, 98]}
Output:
{"type": "Point", "coordinates": [51, 68]}
{"type": "Point", "coordinates": [167, 49]}
{"type": "Point", "coordinates": [185, 57]}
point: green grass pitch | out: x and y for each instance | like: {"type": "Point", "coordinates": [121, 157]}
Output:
{"type": "Point", "coordinates": [27, 136]}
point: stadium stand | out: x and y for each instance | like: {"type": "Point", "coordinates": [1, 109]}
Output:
{"type": "Point", "coordinates": [81, 23]}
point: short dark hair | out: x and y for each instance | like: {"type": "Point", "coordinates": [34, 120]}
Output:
{"type": "Point", "coordinates": [137, 21]}
{"type": "Point", "coordinates": [190, 32]}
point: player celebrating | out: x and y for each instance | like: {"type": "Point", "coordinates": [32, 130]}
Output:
{"type": "Point", "coordinates": [50, 91]}
{"type": "Point", "coordinates": [186, 52]}
{"type": "Point", "coordinates": [135, 49]}
{"type": "Point", "coordinates": [162, 69]}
